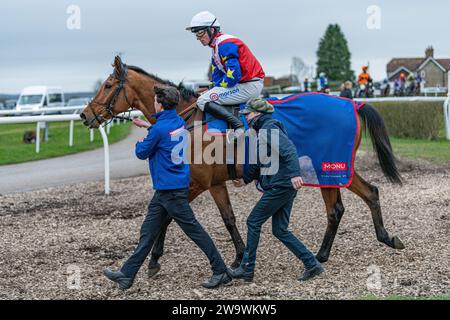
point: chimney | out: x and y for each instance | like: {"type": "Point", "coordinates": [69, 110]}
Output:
{"type": "Point", "coordinates": [429, 52]}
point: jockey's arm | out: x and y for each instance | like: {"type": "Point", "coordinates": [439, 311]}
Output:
{"type": "Point", "coordinates": [229, 54]}
{"type": "Point", "coordinates": [216, 75]}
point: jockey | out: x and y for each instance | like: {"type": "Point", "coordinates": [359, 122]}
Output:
{"type": "Point", "coordinates": [364, 76]}
{"type": "Point", "coordinates": [237, 76]}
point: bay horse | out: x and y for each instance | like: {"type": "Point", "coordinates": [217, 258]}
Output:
{"type": "Point", "coordinates": [131, 87]}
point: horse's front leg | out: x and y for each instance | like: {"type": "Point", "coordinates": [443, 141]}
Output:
{"type": "Point", "coordinates": [158, 248]}
{"type": "Point", "coordinates": [221, 197]}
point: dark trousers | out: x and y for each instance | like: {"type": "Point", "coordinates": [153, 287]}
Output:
{"type": "Point", "coordinates": [173, 203]}
{"type": "Point", "coordinates": [276, 203]}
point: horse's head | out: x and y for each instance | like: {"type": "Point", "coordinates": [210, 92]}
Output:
{"type": "Point", "coordinates": [114, 96]}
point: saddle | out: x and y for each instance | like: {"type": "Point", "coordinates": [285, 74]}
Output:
{"type": "Point", "coordinates": [217, 127]}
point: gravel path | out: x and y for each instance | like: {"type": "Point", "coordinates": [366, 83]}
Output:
{"type": "Point", "coordinates": [48, 235]}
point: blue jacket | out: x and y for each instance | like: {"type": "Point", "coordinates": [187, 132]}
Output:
{"type": "Point", "coordinates": [158, 147]}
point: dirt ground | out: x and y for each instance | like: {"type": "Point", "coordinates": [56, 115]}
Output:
{"type": "Point", "coordinates": [56, 242]}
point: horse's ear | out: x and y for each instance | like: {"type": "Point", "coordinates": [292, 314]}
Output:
{"type": "Point", "coordinates": [118, 65]}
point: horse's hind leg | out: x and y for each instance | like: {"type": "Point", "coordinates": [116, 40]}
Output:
{"type": "Point", "coordinates": [221, 197]}
{"type": "Point", "coordinates": [369, 194]}
{"type": "Point", "coordinates": [158, 247]}
{"type": "Point", "coordinates": [335, 211]}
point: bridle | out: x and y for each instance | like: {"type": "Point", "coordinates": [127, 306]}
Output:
{"type": "Point", "coordinates": [108, 107]}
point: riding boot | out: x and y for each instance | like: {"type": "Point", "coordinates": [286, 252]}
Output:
{"type": "Point", "coordinates": [222, 113]}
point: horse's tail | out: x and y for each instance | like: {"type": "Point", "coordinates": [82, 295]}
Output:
{"type": "Point", "coordinates": [380, 142]}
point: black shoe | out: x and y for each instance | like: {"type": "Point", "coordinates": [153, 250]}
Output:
{"type": "Point", "coordinates": [119, 277]}
{"type": "Point", "coordinates": [240, 273]}
{"type": "Point", "coordinates": [153, 269]}
{"type": "Point", "coordinates": [222, 113]}
{"type": "Point", "coordinates": [216, 280]}
{"type": "Point", "coordinates": [312, 272]}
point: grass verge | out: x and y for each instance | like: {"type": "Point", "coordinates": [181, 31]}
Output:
{"type": "Point", "coordinates": [13, 150]}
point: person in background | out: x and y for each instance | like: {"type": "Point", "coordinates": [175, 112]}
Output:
{"type": "Point", "coordinates": [307, 85]}
{"type": "Point", "coordinates": [346, 91]}
{"type": "Point", "coordinates": [418, 80]}
{"type": "Point", "coordinates": [322, 82]}
{"type": "Point", "coordinates": [364, 76]}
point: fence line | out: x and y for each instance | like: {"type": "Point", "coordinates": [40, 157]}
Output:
{"type": "Point", "coordinates": [41, 110]}
{"type": "Point", "coordinates": [447, 116]}
{"type": "Point", "coordinates": [72, 118]}
{"type": "Point", "coordinates": [401, 99]}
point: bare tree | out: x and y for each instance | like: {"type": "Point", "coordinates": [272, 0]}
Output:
{"type": "Point", "coordinates": [300, 69]}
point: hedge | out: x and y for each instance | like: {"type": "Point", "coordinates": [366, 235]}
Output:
{"type": "Point", "coordinates": [418, 120]}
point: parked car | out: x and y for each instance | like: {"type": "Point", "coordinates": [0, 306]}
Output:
{"type": "Point", "coordinates": [37, 97]}
{"type": "Point", "coordinates": [77, 102]}
{"type": "Point", "coordinates": [10, 104]}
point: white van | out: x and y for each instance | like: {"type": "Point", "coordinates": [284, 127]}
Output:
{"type": "Point", "coordinates": [38, 97]}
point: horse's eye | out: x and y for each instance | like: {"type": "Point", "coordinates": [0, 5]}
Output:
{"type": "Point", "coordinates": [108, 86]}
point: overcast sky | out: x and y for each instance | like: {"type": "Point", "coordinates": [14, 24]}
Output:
{"type": "Point", "coordinates": [38, 48]}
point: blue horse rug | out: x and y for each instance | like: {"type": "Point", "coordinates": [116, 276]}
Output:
{"type": "Point", "coordinates": [324, 130]}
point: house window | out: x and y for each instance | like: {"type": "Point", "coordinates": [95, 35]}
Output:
{"type": "Point", "coordinates": [422, 74]}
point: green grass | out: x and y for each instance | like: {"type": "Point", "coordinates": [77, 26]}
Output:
{"type": "Point", "coordinates": [436, 151]}
{"type": "Point", "coordinates": [399, 297]}
{"type": "Point", "coordinates": [13, 150]}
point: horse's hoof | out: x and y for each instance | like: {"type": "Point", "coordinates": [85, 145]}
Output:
{"type": "Point", "coordinates": [397, 243]}
{"type": "Point", "coordinates": [322, 259]}
{"type": "Point", "coordinates": [153, 270]}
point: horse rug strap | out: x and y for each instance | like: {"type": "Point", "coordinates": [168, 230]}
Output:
{"type": "Point", "coordinates": [231, 157]}
{"type": "Point", "coordinates": [218, 127]}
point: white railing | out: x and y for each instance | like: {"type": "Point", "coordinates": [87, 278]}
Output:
{"type": "Point", "coordinates": [71, 118]}
{"type": "Point", "coordinates": [447, 116]}
{"type": "Point", "coordinates": [41, 124]}
{"type": "Point", "coordinates": [447, 109]}
{"type": "Point", "coordinates": [400, 99]}
{"type": "Point", "coordinates": [41, 110]}
{"type": "Point", "coordinates": [377, 99]}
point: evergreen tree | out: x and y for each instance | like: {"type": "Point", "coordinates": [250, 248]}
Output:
{"type": "Point", "coordinates": [333, 55]}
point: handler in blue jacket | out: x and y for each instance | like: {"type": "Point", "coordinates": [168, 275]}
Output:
{"type": "Point", "coordinates": [170, 176]}
{"type": "Point", "coordinates": [280, 189]}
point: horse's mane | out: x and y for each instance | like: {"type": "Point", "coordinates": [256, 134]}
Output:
{"type": "Point", "coordinates": [186, 94]}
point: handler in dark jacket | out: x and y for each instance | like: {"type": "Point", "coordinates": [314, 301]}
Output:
{"type": "Point", "coordinates": [280, 189]}
{"type": "Point", "coordinates": [170, 177]}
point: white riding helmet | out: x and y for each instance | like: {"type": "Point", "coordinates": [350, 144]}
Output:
{"type": "Point", "coordinates": [203, 20]}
